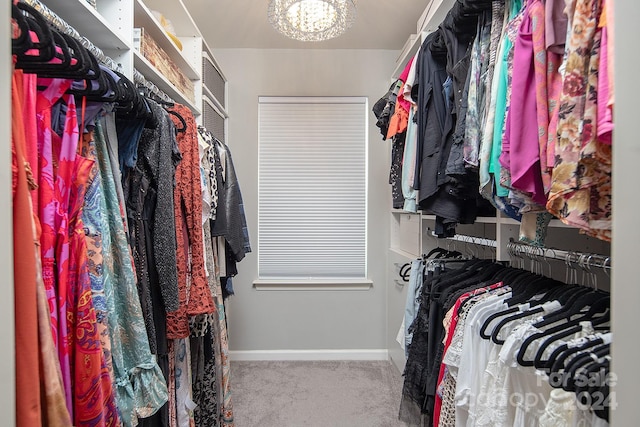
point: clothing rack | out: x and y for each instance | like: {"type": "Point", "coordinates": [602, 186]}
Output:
{"type": "Point", "coordinates": [64, 27]}
{"type": "Point", "coordinates": [583, 260]}
{"type": "Point", "coordinates": [588, 263]}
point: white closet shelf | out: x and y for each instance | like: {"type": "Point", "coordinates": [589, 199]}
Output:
{"type": "Point", "coordinates": [400, 211]}
{"type": "Point", "coordinates": [207, 95]}
{"type": "Point", "coordinates": [555, 223]}
{"type": "Point", "coordinates": [144, 18]}
{"type": "Point", "coordinates": [410, 48]}
{"type": "Point", "coordinates": [433, 15]}
{"type": "Point", "coordinates": [404, 253]}
{"type": "Point", "coordinates": [178, 14]}
{"type": "Point", "coordinates": [90, 23]}
{"type": "Point", "coordinates": [152, 74]}
{"type": "Point", "coordinates": [479, 220]}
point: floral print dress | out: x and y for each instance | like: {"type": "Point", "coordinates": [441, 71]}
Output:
{"type": "Point", "coordinates": [581, 187]}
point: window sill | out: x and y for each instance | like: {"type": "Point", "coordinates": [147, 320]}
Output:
{"type": "Point", "coordinates": [312, 285]}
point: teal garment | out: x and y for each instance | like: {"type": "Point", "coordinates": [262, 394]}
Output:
{"type": "Point", "coordinates": [408, 164]}
{"type": "Point", "coordinates": [141, 389]}
{"type": "Point", "coordinates": [501, 103]}
{"type": "Point", "coordinates": [92, 220]}
{"type": "Point", "coordinates": [498, 24]}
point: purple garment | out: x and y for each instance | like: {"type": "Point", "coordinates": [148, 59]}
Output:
{"type": "Point", "coordinates": [555, 25]}
{"type": "Point", "coordinates": [520, 148]}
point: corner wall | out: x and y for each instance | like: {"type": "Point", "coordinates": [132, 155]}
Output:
{"type": "Point", "coordinates": [307, 320]}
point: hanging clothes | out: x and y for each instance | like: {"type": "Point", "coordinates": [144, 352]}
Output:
{"type": "Point", "coordinates": [231, 222]}
{"type": "Point", "coordinates": [28, 408]}
{"type": "Point", "coordinates": [141, 386]}
{"type": "Point", "coordinates": [96, 285]}
{"type": "Point", "coordinates": [581, 189]}
{"type": "Point", "coordinates": [195, 297]}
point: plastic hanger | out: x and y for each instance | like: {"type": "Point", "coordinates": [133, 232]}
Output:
{"type": "Point", "coordinates": [538, 362]}
{"type": "Point", "coordinates": [181, 119]}
{"type": "Point", "coordinates": [560, 355]}
{"type": "Point", "coordinates": [573, 325]}
{"type": "Point", "coordinates": [22, 42]}
{"type": "Point", "coordinates": [583, 363]}
{"type": "Point", "coordinates": [42, 47]}
{"type": "Point", "coordinates": [576, 305]}
{"type": "Point", "coordinates": [532, 307]}
{"type": "Point", "coordinates": [549, 295]}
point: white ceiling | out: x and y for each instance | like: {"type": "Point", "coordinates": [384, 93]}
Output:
{"type": "Point", "coordinates": [380, 24]}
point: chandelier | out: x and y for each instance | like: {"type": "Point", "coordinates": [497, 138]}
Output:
{"type": "Point", "coordinates": [312, 20]}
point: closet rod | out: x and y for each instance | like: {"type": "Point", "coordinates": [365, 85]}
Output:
{"type": "Point", "coordinates": [140, 80]}
{"type": "Point", "coordinates": [62, 26]}
{"type": "Point", "coordinates": [480, 241]}
{"type": "Point", "coordinates": [582, 259]}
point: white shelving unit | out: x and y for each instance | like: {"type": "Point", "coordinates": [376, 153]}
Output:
{"type": "Point", "coordinates": [97, 25]}
{"type": "Point", "coordinates": [152, 74]}
{"type": "Point", "coordinates": [143, 18]}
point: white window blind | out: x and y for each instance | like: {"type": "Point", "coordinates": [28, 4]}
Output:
{"type": "Point", "coordinates": [312, 188]}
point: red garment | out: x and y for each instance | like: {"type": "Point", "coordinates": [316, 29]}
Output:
{"type": "Point", "coordinates": [93, 394]}
{"type": "Point", "coordinates": [63, 179]}
{"type": "Point", "coordinates": [28, 408]}
{"type": "Point", "coordinates": [406, 105]}
{"type": "Point", "coordinates": [47, 212]}
{"type": "Point", "coordinates": [193, 287]}
{"type": "Point", "coordinates": [30, 125]}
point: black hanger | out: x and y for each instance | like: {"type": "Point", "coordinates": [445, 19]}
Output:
{"type": "Point", "coordinates": [182, 120]}
{"type": "Point", "coordinates": [593, 381]}
{"type": "Point", "coordinates": [561, 354]}
{"type": "Point", "coordinates": [80, 64]}
{"type": "Point", "coordinates": [510, 278]}
{"type": "Point", "coordinates": [435, 251]}
{"type": "Point", "coordinates": [538, 362]}
{"type": "Point", "coordinates": [576, 305]}
{"type": "Point", "coordinates": [484, 271]}
{"type": "Point", "coordinates": [584, 362]}
{"type": "Point", "coordinates": [126, 90]}
{"type": "Point", "coordinates": [42, 49]}
{"type": "Point", "coordinates": [43, 61]}
{"type": "Point", "coordinates": [546, 289]}
{"type": "Point", "coordinates": [573, 326]}
{"type": "Point", "coordinates": [22, 42]}
{"type": "Point", "coordinates": [405, 272]}
{"type": "Point", "coordinates": [526, 288]}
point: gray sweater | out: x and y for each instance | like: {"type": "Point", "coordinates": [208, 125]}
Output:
{"type": "Point", "coordinates": [159, 153]}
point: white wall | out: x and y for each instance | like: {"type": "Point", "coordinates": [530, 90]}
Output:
{"type": "Point", "coordinates": [625, 289]}
{"type": "Point", "coordinates": [306, 320]}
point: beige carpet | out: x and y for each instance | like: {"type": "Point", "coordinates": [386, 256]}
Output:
{"type": "Point", "coordinates": [316, 394]}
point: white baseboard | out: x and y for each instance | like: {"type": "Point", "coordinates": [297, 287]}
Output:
{"type": "Point", "coordinates": [310, 355]}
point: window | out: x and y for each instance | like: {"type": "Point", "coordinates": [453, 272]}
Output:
{"type": "Point", "coordinates": [312, 189]}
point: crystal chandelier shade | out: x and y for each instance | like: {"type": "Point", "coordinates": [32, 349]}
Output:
{"type": "Point", "coordinates": [312, 20]}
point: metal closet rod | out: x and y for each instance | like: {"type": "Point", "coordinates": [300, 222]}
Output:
{"type": "Point", "coordinates": [479, 241]}
{"type": "Point", "coordinates": [139, 79]}
{"type": "Point", "coordinates": [64, 27]}
{"type": "Point", "coordinates": [582, 259]}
